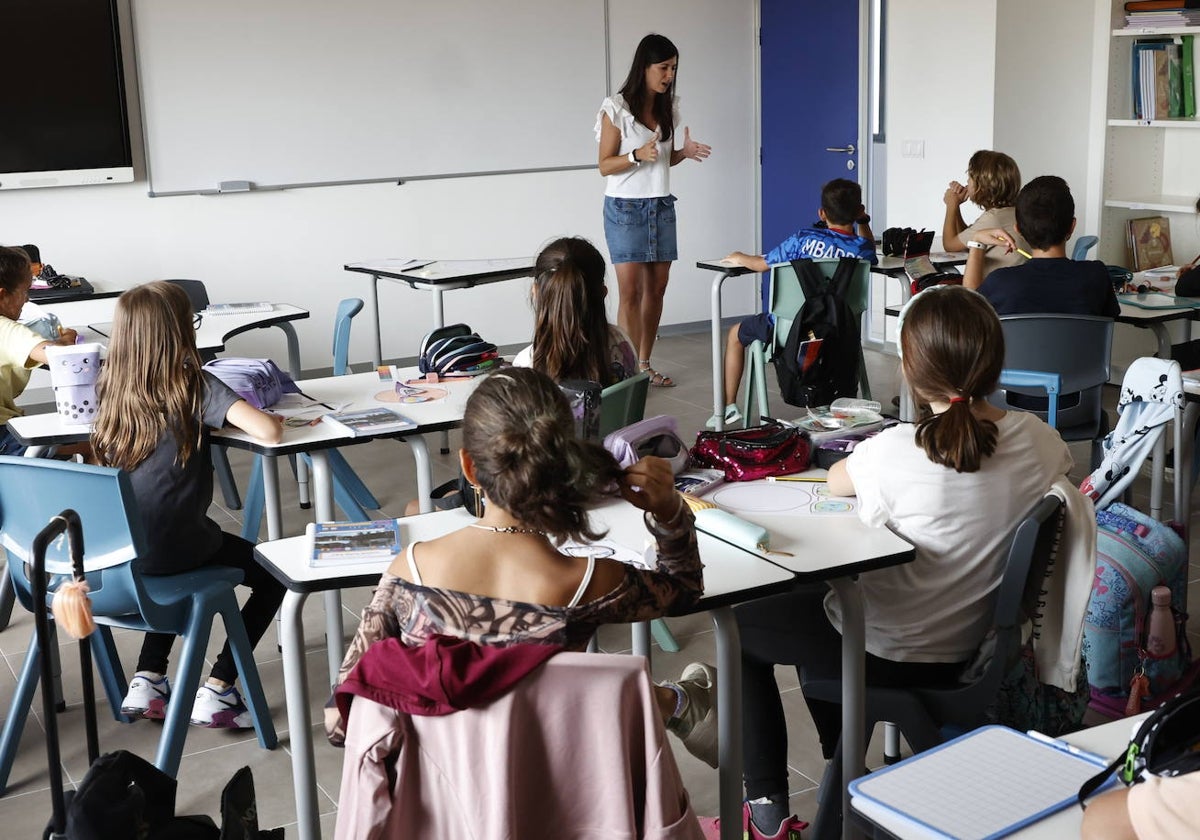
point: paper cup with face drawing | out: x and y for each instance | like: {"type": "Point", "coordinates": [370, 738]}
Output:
{"type": "Point", "coordinates": [73, 372]}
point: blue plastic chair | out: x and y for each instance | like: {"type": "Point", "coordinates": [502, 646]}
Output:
{"type": "Point", "coordinates": [32, 491]}
{"type": "Point", "coordinates": [1051, 382]}
{"type": "Point", "coordinates": [1082, 245]}
{"type": "Point", "coordinates": [350, 494]}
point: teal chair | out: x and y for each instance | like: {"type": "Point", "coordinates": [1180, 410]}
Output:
{"type": "Point", "coordinates": [785, 300]}
{"type": "Point", "coordinates": [623, 403]}
{"type": "Point", "coordinates": [350, 494]}
{"type": "Point", "coordinates": [34, 490]}
{"type": "Point", "coordinates": [1082, 245]}
{"type": "Point", "coordinates": [1051, 383]}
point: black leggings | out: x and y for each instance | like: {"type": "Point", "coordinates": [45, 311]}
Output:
{"type": "Point", "coordinates": [266, 594]}
{"type": "Point", "coordinates": [793, 629]}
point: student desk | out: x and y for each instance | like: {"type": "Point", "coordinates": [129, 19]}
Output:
{"type": "Point", "coordinates": [834, 548]}
{"type": "Point", "coordinates": [1108, 740]}
{"type": "Point", "coordinates": [1156, 320]}
{"type": "Point", "coordinates": [731, 575]}
{"type": "Point", "coordinates": [437, 276]}
{"type": "Point", "coordinates": [723, 271]}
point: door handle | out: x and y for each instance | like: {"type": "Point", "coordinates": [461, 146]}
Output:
{"type": "Point", "coordinates": [847, 149]}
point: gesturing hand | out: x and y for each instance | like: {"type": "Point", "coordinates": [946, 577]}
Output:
{"type": "Point", "coordinates": [693, 150]}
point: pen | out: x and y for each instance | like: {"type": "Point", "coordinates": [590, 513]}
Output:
{"type": "Point", "coordinates": [317, 401]}
{"type": "Point", "coordinates": [809, 479]}
{"type": "Point", "coordinates": [1067, 748]}
{"type": "Point", "coordinates": [1025, 254]}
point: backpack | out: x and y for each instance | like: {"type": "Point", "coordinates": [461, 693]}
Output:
{"type": "Point", "coordinates": [583, 395]}
{"type": "Point", "coordinates": [1134, 553]}
{"type": "Point", "coordinates": [819, 360]}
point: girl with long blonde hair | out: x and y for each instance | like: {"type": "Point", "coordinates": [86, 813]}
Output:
{"type": "Point", "coordinates": [157, 406]}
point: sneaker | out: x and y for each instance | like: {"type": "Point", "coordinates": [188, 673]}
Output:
{"type": "Point", "coordinates": [147, 696]}
{"type": "Point", "coordinates": [710, 827]}
{"type": "Point", "coordinates": [696, 724]}
{"type": "Point", "coordinates": [732, 415]}
{"type": "Point", "coordinates": [220, 709]}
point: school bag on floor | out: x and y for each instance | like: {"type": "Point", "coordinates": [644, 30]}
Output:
{"type": "Point", "coordinates": [1134, 554]}
{"type": "Point", "coordinates": [819, 360]}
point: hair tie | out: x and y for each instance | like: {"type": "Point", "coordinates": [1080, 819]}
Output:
{"type": "Point", "coordinates": [954, 400]}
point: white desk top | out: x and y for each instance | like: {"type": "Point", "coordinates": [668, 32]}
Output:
{"type": "Point", "coordinates": [446, 272]}
{"type": "Point", "coordinates": [730, 574]}
{"type": "Point", "coordinates": [1107, 740]}
{"type": "Point", "coordinates": [823, 543]}
{"type": "Point", "coordinates": [358, 390]}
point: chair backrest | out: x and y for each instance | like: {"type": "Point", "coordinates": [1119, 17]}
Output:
{"type": "Point", "coordinates": [623, 403]}
{"type": "Point", "coordinates": [1051, 383]}
{"type": "Point", "coordinates": [787, 297]}
{"type": "Point", "coordinates": [346, 311]}
{"type": "Point", "coordinates": [1030, 553]}
{"type": "Point", "coordinates": [195, 291]}
{"type": "Point", "coordinates": [1076, 347]}
{"type": "Point", "coordinates": [614, 729]}
{"type": "Point", "coordinates": [1082, 245]}
{"type": "Point", "coordinates": [34, 490]}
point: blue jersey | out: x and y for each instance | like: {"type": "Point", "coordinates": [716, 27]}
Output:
{"type": "Point", "coordinates": [816, 244]}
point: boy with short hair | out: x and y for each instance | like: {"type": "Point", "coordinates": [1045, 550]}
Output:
{"type": "Point", "coordinates": [1049, 281]}
{"type": "Point", "coordinates": [844, 231]}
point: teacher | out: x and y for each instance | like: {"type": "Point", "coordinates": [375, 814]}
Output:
{"type": "Point", "coordinates": [636, 128]}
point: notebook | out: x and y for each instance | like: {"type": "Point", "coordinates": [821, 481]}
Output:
{"type": "Point", "coordinates": [985, 784]}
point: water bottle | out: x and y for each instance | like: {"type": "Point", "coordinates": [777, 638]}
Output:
{"type": "Point", "coordinates": [1160, 635]}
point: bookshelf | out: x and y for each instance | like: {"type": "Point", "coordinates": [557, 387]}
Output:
{"type": "Point", "coordinates": [1149, 167]}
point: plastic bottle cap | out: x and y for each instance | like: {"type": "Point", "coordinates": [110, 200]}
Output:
{"type": "Point", "coordinates": [1161, 596]}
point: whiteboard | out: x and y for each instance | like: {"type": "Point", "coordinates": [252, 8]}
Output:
{"type": "Point", "coordinates": [291, 92]}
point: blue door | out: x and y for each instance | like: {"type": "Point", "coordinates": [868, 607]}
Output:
{"type": "Point", "coordinates": [809, 64]}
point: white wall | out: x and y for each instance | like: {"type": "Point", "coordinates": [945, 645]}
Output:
{"type": "Point", "coordinates": [941, 71]}
{"type": "Point", "coordinates": [1043, 92]}
{"type": "Point", "coordinates": [290, 246]}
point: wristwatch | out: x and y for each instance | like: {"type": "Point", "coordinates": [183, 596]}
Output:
{"type": "Point", "coordinates": [982, 246]}
{"type": "Point", "coordinates": [633, 157]}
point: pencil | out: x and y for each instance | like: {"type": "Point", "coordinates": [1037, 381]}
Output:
{"type": "Point", "coordinates": [1025, 254]}
{"type": "Point", "coordinates": [809, 479]}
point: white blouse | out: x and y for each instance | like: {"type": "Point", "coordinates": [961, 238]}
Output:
{"type": "Point", "coordinates": [647, 179]}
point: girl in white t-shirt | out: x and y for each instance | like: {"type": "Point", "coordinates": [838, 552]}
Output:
{"type": "Point", "coordinates": [636, 131]}
{"type": "Point", "coordinates": [955, 485]}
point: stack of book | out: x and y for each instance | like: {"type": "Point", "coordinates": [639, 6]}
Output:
{"type": "Point", "coordinates": [1163, 76]}
{"type": "Point", "coordinates": [1151, 14]}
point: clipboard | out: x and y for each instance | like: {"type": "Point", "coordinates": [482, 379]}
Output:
{"type": "Point", "coordinates": [982, 785]}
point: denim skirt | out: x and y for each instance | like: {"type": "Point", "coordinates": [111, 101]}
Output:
{"type": "Point", "coordinates": [640, 230]}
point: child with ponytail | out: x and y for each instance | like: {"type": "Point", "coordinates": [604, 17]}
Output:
{"type": "Point", "coordinates": [156, 407]}
{"type": "Point", "coordinates": [955, 485]}
{"type": "Point", "coordinates": [572, 338]}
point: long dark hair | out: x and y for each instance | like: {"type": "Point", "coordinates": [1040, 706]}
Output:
{"type": "Point", "coordinates": [651, 50]}
{"type": "Point", "coordinates": [953, 350]}
{"type": "Point", "coordinates": [519, 432]}
{"type": "Point", "coordinates": [570, 331]}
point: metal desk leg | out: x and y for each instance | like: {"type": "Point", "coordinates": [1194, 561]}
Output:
{"type": "Point", "coordinates": [1164, 339]}
{"type": "Point", "coordinates": [718, 360]}
{"type": "Point", "coordinates": [420, 453]}
{"type": "Point", "coordinates": [295, 688]}
{"type": "Point", "coordinates": [272, 504]}
{"type": "Point", "coordinates": [439, 320]}
{"type": "Point", "coordinates": [373, 302]}
{"type": "Point", "coordinates": [639, 635]}
{"type": "Point", "coordinates": [334, 632]}
{"type": "Point", "coordinates": [293, 348]}
{"type": "Point", "coordinates": [1157, 462]}
{"type": "Point", "coordinates": [729, 722]}
{"type": "Point", "coordinates": [853, 681]}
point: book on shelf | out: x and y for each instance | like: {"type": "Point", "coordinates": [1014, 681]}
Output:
{"type": "Point", "coordinates": [239, 308]}
{"type": "Point", "coordinates": [1187, 56]}
{"type": "Point", "coordinates": [353, 542]}
{"type": "Point", "coordinates": [1149, 242]}
{"type": "Point", "coordinates": [1163, 78]}
{"type": "Point", "coordinates": [369, 421]}
{"type": "Point", "coordinates": [1161, 5]}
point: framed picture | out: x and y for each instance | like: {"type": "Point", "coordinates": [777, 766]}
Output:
{"type": "Point", "coordinates": [1150, 243]}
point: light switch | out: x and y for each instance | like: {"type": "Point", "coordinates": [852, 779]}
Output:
{"type": "Point", "coordinates": [912, 148]}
